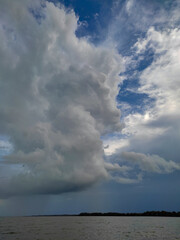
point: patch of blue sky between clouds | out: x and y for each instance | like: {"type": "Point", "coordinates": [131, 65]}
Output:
{"type": "Point", "coordinates": [37, 12]}
{"type": "Point", "coordinates": [7, 170]}
{"type": "Point", "coordinates": [93, 17]}
{"type": "Point", "coordinates": [125, 35]}
{"type": "Point", "coordinates": [5, 146]}
{"type": "Point", "coordinates": [129, 100]}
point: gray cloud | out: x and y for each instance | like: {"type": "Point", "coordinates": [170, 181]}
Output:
{"type": "Point", "coordinates": [116, 167]}
{"type": "Point", "coordinates": [126, 180]}
{"type": "Point", "coordinates": [150, 163]}
{"type": "Point", "coordinates": [57, 95]}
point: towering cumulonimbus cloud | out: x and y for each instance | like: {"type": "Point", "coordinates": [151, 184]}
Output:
{"type": "Point", "coordinates": [57, 97]}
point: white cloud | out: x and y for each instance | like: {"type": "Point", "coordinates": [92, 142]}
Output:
{"type": "Point", "coordinates": [4, 144]}
{"type": "Point", "coordinates": [57, 98]}
{"type": "Point", "coordinates": [129, 5]}
{"type": "Point", "coordinates": [134, 18]}
{"type": "Point", "coordinates": [160, 81]}
{"type": "Point", "coordinates": [114, 144]}
{"type": "Point", "coordinates": [151, 137]}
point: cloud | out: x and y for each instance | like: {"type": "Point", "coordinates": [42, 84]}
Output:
{"type": "Point", "coordinates": [57, 95]}
{"type": "Point", "coordinates": [125, 180]}
{"type": "Point", "coordinates": [150, 138]}
{"type": "Point", "coordinates": [150, 163]}
{"type": "Point", "coordinates": [132, 19]}
{"type": "Point", "coordinates": [116, 167]}
{"type": "Point", "coordinates": [121, 172]}
{"type": "Point", "coordinates": [114, 143]}
{"type": "Point", "coordinates": [158, 124]}
{"type": "Point", "coordinates": [4, 144]}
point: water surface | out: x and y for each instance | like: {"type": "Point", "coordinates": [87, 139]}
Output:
{"type": "Point", "coordinates": [89, 228]}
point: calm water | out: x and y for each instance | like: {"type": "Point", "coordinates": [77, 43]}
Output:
{"type": "Point", "coordinates": [92, 228]}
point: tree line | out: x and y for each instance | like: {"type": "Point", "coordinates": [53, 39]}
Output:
{"type": "Point", "coordinates": [147, 213]}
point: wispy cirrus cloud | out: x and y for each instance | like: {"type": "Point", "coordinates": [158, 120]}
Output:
{"type": "Point", "coordinates": [151, 134]}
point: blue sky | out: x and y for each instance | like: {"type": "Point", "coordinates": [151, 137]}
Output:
{"type": "Point", "coordinates": [89, 113]}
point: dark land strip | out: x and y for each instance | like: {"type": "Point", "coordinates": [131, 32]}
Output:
{"type": "Point", "coordinates": [117, 214]}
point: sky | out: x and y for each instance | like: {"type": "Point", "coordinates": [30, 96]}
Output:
{"type": "Point", "coordinates": [89, 106]}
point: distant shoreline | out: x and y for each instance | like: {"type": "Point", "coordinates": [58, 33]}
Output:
{"type": "Point", "coordinates": [116, 214]}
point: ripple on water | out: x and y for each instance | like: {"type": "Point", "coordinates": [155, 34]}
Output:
{"type": "Point", "coordinates": [89, 228]}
